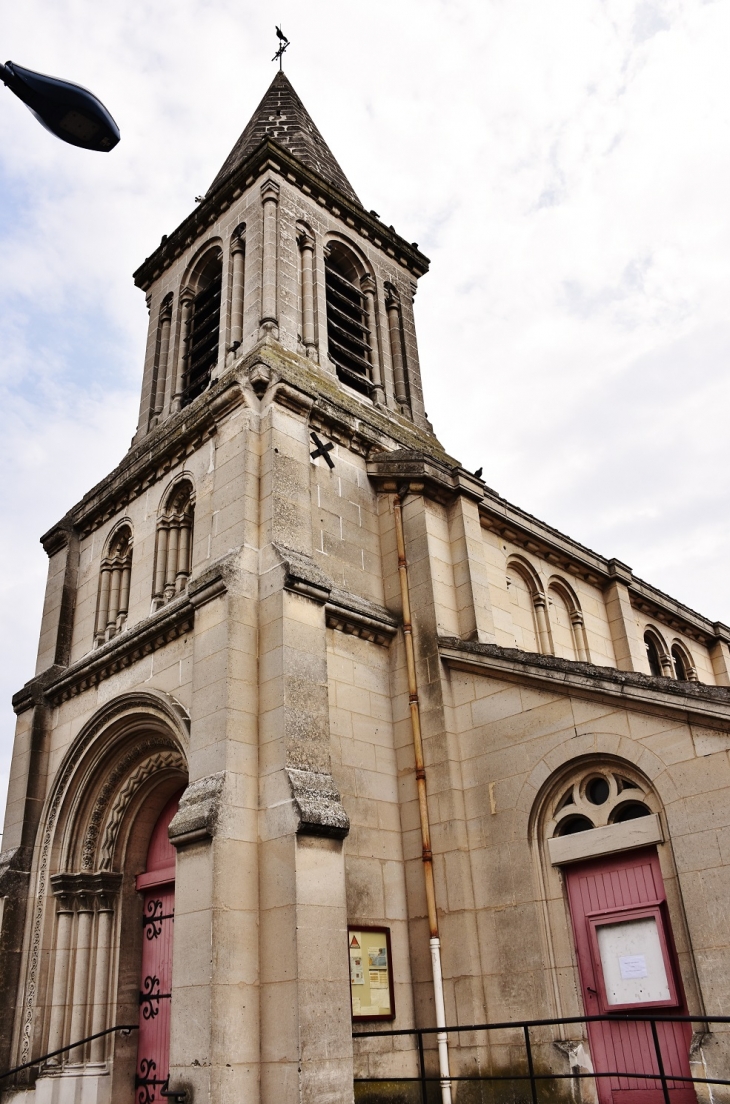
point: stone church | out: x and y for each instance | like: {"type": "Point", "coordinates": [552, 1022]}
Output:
{"type": "Point", "coordinates": [327, 737]}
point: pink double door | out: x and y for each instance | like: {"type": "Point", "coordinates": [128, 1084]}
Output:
{"type": "Point", "coordinates": [628, 964]}
{"type": "Point", "coordinates": [157, 885]}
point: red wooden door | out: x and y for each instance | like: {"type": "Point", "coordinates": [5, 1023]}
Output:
{"type": "Point", "coordinates": [627, 963]}
{"type": "Point", "coordinates": [157, 885]}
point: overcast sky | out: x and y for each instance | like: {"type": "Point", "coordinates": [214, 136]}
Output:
{"type": "Point", "coordinates": [565, 164]}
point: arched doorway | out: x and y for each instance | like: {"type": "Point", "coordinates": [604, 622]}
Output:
{"type": "Point", "coordinates": [157, 885]}
{"type": "Point", "coordinates": [603, 827]}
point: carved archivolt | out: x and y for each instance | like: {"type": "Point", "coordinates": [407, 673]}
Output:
{"type": "Point", "coordinates": [127, 723]}
{"type": "Point", "coordinates": [163, 759]}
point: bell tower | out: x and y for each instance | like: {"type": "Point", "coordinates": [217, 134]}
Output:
{"type": "Point", "coordinates": [281, 255]}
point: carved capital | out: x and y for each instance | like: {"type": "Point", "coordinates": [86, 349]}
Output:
{"type": "Point", "coordinates": [81, 889]}
{"type": "Point", "coordinates": [305, 240]}
{"type": "Point", "coordinates": [187, 295]}
{"type": "Point", "coordinates": [270, 192]}
{"type": "Point", "coordinates": [392, 298]}
{"type": "Point", "coordinates": [367, 283]}
{"type": "Point", "coordinates": [238, 241]}
{"type": "Point", "coordinates": [166, 309]}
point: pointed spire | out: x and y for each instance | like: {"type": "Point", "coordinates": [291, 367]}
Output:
{"type": "Point", "coordinates": [282, 117]}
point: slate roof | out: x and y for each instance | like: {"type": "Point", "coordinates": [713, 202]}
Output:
{"type": "Point", "coordinates": [282, 117]}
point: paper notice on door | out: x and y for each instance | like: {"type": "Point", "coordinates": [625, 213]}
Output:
{"type": "Point", "coordinates": [633, 966]}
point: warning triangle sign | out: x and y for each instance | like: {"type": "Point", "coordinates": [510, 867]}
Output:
{"type": "Point", "coordinates": [354, 942]}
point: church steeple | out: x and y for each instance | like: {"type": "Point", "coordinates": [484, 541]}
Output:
{"type": "Point", "coordinates": [280, 251]}
{"type": "Point", "coordinates": [282, 117]}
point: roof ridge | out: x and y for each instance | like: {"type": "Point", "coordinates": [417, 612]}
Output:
{"type": "Point", "coordinates": [282, 117]}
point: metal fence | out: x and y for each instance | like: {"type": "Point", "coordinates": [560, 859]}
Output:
{"type": "Point", "coordinates": [658, 1075]}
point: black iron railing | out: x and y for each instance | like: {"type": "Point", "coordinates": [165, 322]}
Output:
{"type": "Point", "coordinates": [659, 1074]}
{"type": "Point", "coordinates": [124, 1028]}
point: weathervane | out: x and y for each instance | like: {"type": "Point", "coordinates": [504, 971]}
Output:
{"type": "Point", "coordinates": [283, 43]}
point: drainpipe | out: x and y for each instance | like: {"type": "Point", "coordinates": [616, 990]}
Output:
{"type": "Point", "coordinates": [435, 942]}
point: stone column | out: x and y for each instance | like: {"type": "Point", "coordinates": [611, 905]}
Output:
{"type": "Point", "coordinates": [367, 284]}
{"type": "Point", "coordinates": [161, 382]}
{"type": "Point", "coordinates": [60, 976]}
{"type": "Point", "coordinates": [101, 976]}
{"type": "Point", "coordinates": [539, 601]}
{"type": "Point", "coordinates": [580, 637]}
{"type": "Point", "coordinates": [396, 351]}
{"type": "Point", "coordinates": [238, 252]}
{"type": "Point", "coordinates": [187, 298]}
{"type": "Point", "coordinates": [124, 595]}
{"type": "Point", "coordinates": [306, 245]}
{"type": "Point", "coordinates": [84, 923]}
{"type": "Point", "coordinates": [270, 200]}
{"type": "Point", "coordinates": [101, 616]}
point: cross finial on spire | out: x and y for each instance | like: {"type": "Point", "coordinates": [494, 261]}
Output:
{"type": "Point", "coordinates": [283, 43]}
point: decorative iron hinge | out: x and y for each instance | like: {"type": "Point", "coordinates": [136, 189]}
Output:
{"type": "Point", "coordinates": [152, 922]}
{"type": "Point", "coordinates": [149, 1010]}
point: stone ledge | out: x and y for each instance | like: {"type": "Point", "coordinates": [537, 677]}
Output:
{"type": "Point", "coordinates": [358, 617]}
{"type": "Point", "coordinates": [423, 473]}
{"type": "Point", "coordinates": [197, 817]}
{"type": "Point", "coordinates": [149, 461]}
{"type": "Point", "coordinates": [595, 842]}
{"type": "Point", "coordinates": [167, 624]}
{"type": "Point", "coordinates": [318, 803]}
{"type": "Point", "coordinates": [708, 705]}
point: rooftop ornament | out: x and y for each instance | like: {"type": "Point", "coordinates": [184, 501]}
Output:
{"type": "Point", "coordinates": [69, 111]}
{"type": "Point", "coordinates": [283, 43]}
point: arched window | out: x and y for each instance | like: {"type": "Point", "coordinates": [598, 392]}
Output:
{"type": "Point", "coordinates": [112, 603]}
{"type": "Point", "coordinates": [173, 552]}
{"type": "Point", "coordinates": [529, 607]}
{"type": "Point", "coordinates": [203, 328]}
{"type": "Point", "coordinates": [597, 797]}
{"type": "Point", "coordinates": [566, 622]}
{"type": "Point", "coordinates": [684, 668]}
{"type": "Point", "coordinates": [652, 655]}
{"type": "Point", "coordinates": [523, 611]}
{"type": "Point", "coordinates": [679, 667]}
{"type": "Point", "coordinates": [350, 328]}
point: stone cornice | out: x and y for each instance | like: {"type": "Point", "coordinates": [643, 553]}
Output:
{"type": "Point", "coordinates": [344, 611]}
{"type": "Point", "coordinates": [365, 429]}
{"type": "Point", "coordinates": [690, 702]}
{"type": "Point", "coordinates": [422, 471]}
{"type": "Point", "coordinates": [167, 624]}
{"type": "Point", "coordinates": [269, 155]}
{"type": "Point", "coordinates": [533, 535]}
{"type": "Point", "coordinates": [150, 460]}
{"type": "Point", "coordinates": [355, 616]}
{"type": "Point", "coordinates": [425, 473]}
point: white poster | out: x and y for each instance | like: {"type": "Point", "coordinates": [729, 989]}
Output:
{"type": "Point", "coordinates": [632, 961]}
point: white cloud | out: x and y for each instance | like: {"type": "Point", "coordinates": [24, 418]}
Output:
{"type": "Point", "coordinates": [565, 165]}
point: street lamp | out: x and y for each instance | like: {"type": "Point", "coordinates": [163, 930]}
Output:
{"type": "Point", "coordinates": [70, 112]}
